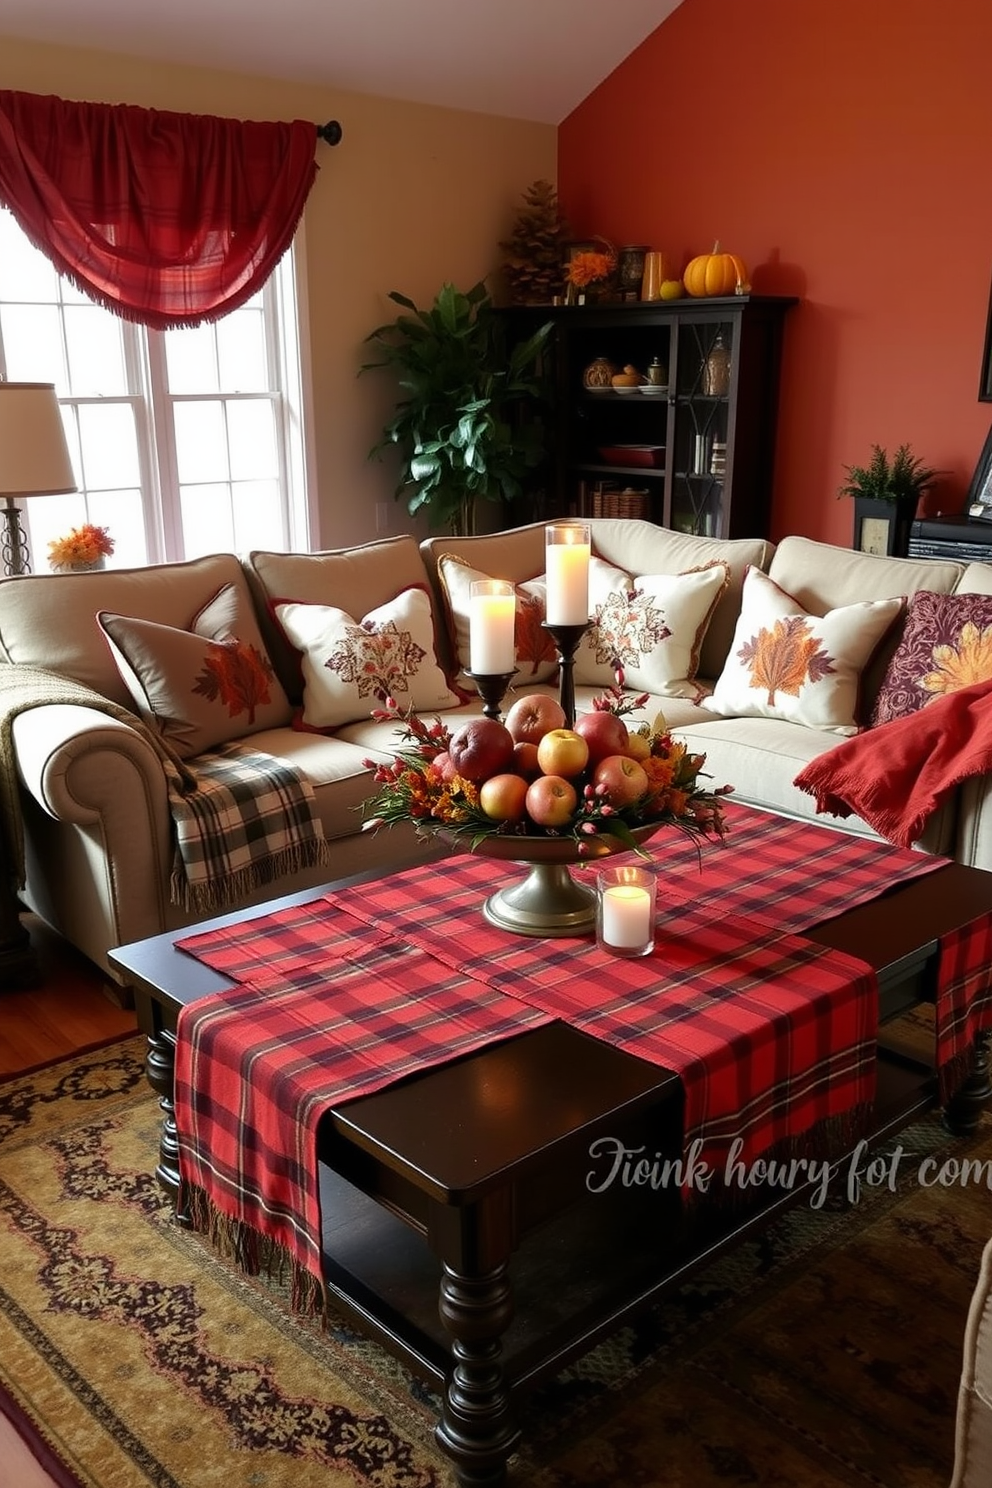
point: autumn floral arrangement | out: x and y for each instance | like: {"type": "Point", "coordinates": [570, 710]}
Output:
{"type": "Point", "coordinates": [83, 547]}
{"type": "Point", "coordinates": [533, 776]}
{"type": "Point", "coordinates": [589, 268]}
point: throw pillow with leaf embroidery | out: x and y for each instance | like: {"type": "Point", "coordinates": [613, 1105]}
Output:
{"type": "Point", "coordinates": [787, 663]}
{"type": "Point", "coordinates": [650, 626]}
{"type": "Point", "coordinates": [351, 666]}
{"type": "Point", "coordinates": [203, 686]}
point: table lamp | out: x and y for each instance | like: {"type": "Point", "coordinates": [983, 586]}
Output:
{"type": "Point", "coordinates": [34, 460]}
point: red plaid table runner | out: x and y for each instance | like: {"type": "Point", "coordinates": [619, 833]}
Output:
{"type": "Point", "coordinates": [257, 1066]}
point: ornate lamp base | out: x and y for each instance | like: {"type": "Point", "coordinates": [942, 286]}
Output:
{"type": "Point", "coordinates": [548, 903]}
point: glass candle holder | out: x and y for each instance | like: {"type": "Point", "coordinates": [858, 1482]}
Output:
{"type": "Point", "coordinates": [625, 910]}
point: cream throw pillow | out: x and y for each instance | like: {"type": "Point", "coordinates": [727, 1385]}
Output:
{"type": "Point", "coordinates": [785, 663]}
{"type": "Point", "coordinates": [651, 626]}
{"type": "Point", "coordinates": [351, 666]}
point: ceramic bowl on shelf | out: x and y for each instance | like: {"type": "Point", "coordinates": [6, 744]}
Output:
{"type": "Point", "coordinates": [636, 388]}
{"type": "Point", "coordinates": [653, 390]}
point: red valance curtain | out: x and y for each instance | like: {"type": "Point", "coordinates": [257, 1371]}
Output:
{"type": "Point", "coordinates": [167, 219]}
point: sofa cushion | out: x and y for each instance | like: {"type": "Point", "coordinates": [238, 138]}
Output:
{"type": "Point", "coordinates": [786, 663]}
{"type": "Point", "coordinates": [49, 620]}
{"type": "Point", "coordinates": [651, 626]}
{"type": "Point", "coordinates": [536, 656]}
{"type": "Point", "coordinates": [946, 644]}
{"type": "Point", "coordinates": [355, 580]}
{"type": "Point", "coordinates": [203, 685]}
{"type": "Point", "coordinates": [351, 667]}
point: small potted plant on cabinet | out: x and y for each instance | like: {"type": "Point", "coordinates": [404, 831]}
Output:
{"type": "Point", "coordinates": [886, 496]}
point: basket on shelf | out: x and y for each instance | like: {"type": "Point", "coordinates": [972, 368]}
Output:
{"type": "Point", "coordinates": [625, 503]}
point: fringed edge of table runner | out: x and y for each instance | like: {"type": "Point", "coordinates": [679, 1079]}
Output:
{"type": "Point", "coordinates": [252, 1252]}
{"type": "Point", "coordinates": [212, 896]}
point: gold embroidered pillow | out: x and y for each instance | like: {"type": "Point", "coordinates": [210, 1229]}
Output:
{"type": "Point", "coordinates": [203, 686]}
{"type": "Point", "coordinates": [652, 627]}
{"type": "Point", "coordinates": [537, 659]}
{"type": "Point", "coordinates": [786, 663]}
{"type": "Point", "coordinates": [946, 644]}
{"type": "Point", "coordinates": [351, 666]}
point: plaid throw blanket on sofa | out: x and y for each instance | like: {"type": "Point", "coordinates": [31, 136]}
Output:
{"type": "Point", "coordinates": [242, 818]}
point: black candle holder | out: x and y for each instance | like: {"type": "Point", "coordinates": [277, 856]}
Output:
{"type": "Point", "coordinates": [492, 689]}
{"type": "Point", "coordinates": [566, 639]}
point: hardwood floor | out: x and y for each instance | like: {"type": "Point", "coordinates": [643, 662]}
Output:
{"type": "Point", "coordinates": [71, 1007]}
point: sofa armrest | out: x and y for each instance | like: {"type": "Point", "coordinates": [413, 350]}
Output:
{"type": "Point", "coordinates": [81, 766]}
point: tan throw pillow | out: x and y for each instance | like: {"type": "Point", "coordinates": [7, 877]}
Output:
{"type": "Point", "coordinates": [651, 626]}
{"type": "Point", "coordinates": [203, 686]}
{"type": "Point", "coordinates": [537, 659]}
{"type": "Point", "coordinates": [351, 666]}
{"type": "Point", "coordinates": [786, 663]}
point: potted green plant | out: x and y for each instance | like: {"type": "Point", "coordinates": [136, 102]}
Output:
{"type": "Point", "coordinates": [459, 426]}
{"type": "Point", "coordinates": [886, 495]}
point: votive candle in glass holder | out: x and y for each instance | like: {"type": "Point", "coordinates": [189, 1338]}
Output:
{"type": "Point", "coordinates": [492, 608]}
{"type": "Point", "coordinates": [567, 550]}
{"type": "Point", "coordinates": [625, 910]}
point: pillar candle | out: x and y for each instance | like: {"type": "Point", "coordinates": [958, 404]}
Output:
{"type": "Point", "coordinates": [567, 568]}
{"type": "Point", "coordinates": [626, 916]}
{"type": "Point", "coordinates": [492, 612]}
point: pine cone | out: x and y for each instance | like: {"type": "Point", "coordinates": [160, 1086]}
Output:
{"type": "Point", "coordinates": [533, 262]}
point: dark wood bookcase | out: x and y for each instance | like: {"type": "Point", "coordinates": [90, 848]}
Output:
{"type": "Point", "coordinates": [697, 457]}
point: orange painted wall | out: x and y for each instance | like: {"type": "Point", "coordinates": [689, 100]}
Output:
{"type": "Point", "coordinates": [844, 149]}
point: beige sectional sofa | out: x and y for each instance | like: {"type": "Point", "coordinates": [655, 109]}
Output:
{"type": "Point", "coordinates": [97, 825]}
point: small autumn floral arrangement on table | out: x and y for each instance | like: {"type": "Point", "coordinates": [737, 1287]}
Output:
{"type": "Point", "coordinates": [532, 776]}
{"type": "Point", "coordinates": [83, 547]}
{"type": "Point", "coordinates": [589, 267]}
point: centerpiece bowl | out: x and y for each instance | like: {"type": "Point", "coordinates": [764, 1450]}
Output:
{"type": "Point", "coordinates": [548, 902]}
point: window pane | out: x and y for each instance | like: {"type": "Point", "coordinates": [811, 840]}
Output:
{"type": "Point", "coordinates": [201, 442]}
{"type": "Point", "coordinates": [110, 448]}
{"type": "Point", "coordinates": [191, 360]}
{"type": "Point", "coordinates": [25, 274]}
{"type": "Point", "coordinates": [257, 516]}
{"type": "Point", "coordinates": [32, 341]}
{"type": "Point", "coordinates": [96, 351]}
{"type": "Point", "coordinates": [241, 352]}
{"type": "Point", "coordinates": [207, 525]}
{"type": "Point", "coordinates": [252, 437]}
{"type": "Point", "coordinates": [121, 513]}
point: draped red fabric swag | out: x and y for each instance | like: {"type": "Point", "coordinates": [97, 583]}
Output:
{"type": "Point", "coordinates": [167, 219]}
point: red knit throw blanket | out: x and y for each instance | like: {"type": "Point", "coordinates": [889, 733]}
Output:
{"type": "Point", "coordinates": [895, 776]}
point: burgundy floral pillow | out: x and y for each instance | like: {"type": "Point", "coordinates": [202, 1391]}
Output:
{"type": "Point", "coordinates": [946, 644]}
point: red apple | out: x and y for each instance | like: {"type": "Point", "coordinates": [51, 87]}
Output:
{"type": "Point", "coordinates": [563, 752]}
{"type": "Point", "coordinates": [605, 734]}
{"type": "Point", "coordinates": [503, 797]}
{"type": "Point", "coordinates": [625, 779]}
{"type": "Point", "coordinates": [443, 765]}
{"type": "Point", "coordinates": [550, 800]}
{"type": "Point", "coordinates": [533, 716]}
{"type": "Point", "coordinates": [481, 747]}
{"type": "Point", "coordinates": [525, 760]}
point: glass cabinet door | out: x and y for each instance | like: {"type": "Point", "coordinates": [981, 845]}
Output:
{"type": "Point", "coordinates": [705, 371]}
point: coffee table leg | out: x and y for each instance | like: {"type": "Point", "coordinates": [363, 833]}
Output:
{"type": "Point", "coordinates": [962, 1114]}
{"type": "Point", "coordinates": [160, 1069]}
{"type": "Point", "coordinates": [476, 1429]}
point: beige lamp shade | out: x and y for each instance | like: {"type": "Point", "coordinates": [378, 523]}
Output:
{"type": "Point", "coordinates": [34, 456]}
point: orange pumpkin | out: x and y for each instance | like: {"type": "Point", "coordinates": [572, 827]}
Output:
{"type": "Point", "coordinates": [714, 273]}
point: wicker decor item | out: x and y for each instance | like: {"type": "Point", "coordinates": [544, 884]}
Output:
{"type": "Point", "coordinates": [625, 503]}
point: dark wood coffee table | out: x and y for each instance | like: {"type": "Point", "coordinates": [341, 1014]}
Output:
{"type": "Point", "coordinates": [459, 1229]}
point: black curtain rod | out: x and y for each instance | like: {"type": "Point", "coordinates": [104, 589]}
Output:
{"type": "Point", "coordinates": [331, 132]}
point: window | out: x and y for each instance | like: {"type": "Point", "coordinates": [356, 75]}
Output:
{"type": "Point", "coordinates": [184, 442]}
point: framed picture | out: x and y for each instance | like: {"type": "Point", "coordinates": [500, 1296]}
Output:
{"type": "Point", "coordinates": [883, 527]}
{"type": "Point", "coordinates": [985, 380]}
{"type": "Point", "coordinates": [979, 502]}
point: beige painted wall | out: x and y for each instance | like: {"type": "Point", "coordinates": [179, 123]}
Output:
{"type": "Point", "coordinates": [413, 196]}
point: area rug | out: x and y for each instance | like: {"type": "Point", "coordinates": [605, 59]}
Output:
{"type": "Point", "coordinates": [825, 1352]}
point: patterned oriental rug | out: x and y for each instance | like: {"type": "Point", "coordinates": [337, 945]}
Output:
{"type": "Point", "coordinates": [824, 1353]}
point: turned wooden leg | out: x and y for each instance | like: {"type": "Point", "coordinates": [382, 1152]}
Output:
{"type": "Point", "coordinates": [963, 1112]}
{"type": "Point", "coordinates": [476, 1429]}
{"type": "Point", "coordinates": [160, 1069]}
